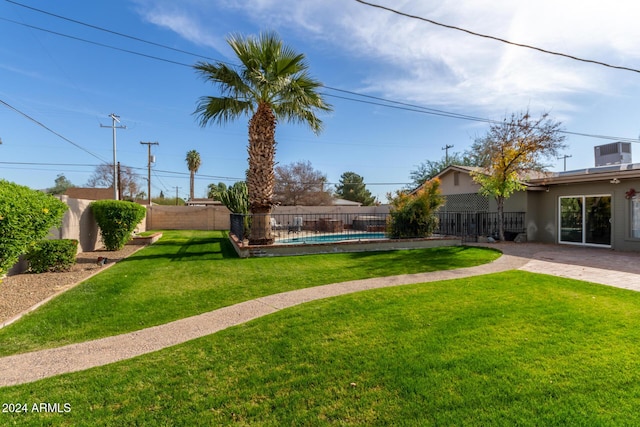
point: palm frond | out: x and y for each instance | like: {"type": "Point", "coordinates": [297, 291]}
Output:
{"type": "Point", "coordinates": [221, 110]}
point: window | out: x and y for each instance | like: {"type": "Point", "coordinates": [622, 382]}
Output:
{"type": "Point", "coordinates": [587, 220]}
{"type": "Point", "coordinates": [635, 217]}
{"type": "Point", "coordinates": [456, 178]}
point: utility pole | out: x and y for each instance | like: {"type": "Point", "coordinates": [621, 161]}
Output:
{"type": "Point", "coordinates": [565, 157]}
{"type": "Point", "coordinates": [114, 119]}
{"type": "Point", "coordinates": [119, 181]}
{"type": "Point", "coordinates": [177, 195]}
{"type": "Point", "coordinates": [446, 153]}
{"type": "Point", "coordinates": [149, 144]}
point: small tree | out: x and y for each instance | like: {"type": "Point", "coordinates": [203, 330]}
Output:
{"type": "Point", "coordinates": [414, 215]}
{"type": "Point", "coordinates": [26, 216]}
{"type": "Point", "coordinates": [510, 150]}
{"type": "Point", "coordinates": [61, 185]}
{"type": "Point", "coordinates": [299, 183]}
{"type": "Point", "coordinates": [103, 177]}
{"type": "Point", "coordinates": [352, 187]}
{"type": "Point", "coordinates": [117, 219]}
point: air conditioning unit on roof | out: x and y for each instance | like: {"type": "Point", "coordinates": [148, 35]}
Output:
{"type": "Point", "coordinates": [613, 154]}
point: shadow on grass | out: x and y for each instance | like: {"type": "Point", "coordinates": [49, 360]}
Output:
{"type": "Point", "coordinates": [431, 259]}
{"type": "Point", "coordinates": [193, 249]}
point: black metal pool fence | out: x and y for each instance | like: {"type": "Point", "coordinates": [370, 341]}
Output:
{"type": "Point", "coordinates": [466, 225]}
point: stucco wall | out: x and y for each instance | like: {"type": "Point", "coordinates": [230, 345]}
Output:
{"type": "Point", "coordinates": [466, 184]}
{"type": "Point", "coordinates": [544, 208]}
{"type": "Point", "coordinates": [78, 223]}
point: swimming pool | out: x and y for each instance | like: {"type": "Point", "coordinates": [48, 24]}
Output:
{"type": "Point", "coordinates": [331, 238]}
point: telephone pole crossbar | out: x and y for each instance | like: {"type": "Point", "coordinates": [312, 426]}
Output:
{"type": "Point", "coordinates": [446, 153]}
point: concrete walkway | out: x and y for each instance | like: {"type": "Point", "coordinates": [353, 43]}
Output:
{"type": "Point", "coordinates": [595, 265]}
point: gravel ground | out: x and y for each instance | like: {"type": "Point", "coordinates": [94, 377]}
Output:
{"type": "Point", "coordinates": [22, 291]}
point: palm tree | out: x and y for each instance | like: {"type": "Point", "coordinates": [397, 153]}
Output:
{"type": "Point", "coordinates": [271, 83]}
{"type": "Point", "coordinates": [193, 163]}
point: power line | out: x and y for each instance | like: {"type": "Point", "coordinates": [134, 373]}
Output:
{"type": "Point", "coordinates": [385, 102]}
{"type": "Point", "coordinates": [108, 31]}
{"type": "Point", "coordinates": [473, 33]}
{"type": "Point", "coordinates": [11, 107]}
{"type": "Point", "coordinates": [96, 43]}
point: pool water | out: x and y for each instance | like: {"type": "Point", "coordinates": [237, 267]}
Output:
{"type": "Point", "coordinates": [331, 238]}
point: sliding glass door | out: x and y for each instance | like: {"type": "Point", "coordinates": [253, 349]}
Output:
{"type": "Point", "coordinates": [585, 220]}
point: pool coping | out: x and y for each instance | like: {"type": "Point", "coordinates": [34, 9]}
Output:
{"type": "Point", "coordinates": [244, 250]}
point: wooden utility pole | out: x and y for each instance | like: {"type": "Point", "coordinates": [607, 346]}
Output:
{"type": "Point", "coordinates": [177, 195]}
{"type": "Point", "coordinates": [446, 153]}
{"type": "Point", "coordinates": [565, 157]}
{"type": "Point", "coordinates": [114, 119]}
{"type": "Point", "coordinates": [149, 144]}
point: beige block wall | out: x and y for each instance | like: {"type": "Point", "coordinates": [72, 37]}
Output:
{"type": "Point", "coordinates": [187, 218]}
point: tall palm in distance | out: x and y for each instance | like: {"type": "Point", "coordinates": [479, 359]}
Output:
{"type": "Point", "coordinates": [193, 164]}
{"type": "Point", "coordinates": [270, 84]}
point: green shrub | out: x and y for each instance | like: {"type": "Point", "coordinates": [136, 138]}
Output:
{"type": "Point", "coordinates": [414, 215]}
{"type": "Point", "coordinates": [26, 216]}
{"type": "Point", "coordinates": [52, 255]}
{"type": "Point", "coordinates": [117, 219]}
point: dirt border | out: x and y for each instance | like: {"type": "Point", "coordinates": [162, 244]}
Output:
{"type": "Point", "coordinates": [23, 293]}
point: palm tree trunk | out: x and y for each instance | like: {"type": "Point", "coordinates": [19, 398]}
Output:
{"type": "Point", "coordinates": [261, 177]}
{"type": "Point", "coordinates": [191, 185]}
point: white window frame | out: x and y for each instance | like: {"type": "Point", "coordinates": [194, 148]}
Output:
{"type": "Point", "coordinates": [584, 220]}
{"type": "Point", "coordinates": [634, 200]}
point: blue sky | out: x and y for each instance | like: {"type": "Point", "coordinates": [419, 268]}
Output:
{"type": "Point", "coordinates": [72, 86]}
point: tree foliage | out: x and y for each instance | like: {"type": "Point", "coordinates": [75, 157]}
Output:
{"type": "Point", "coordinates": [271, 84]}
{"type": "Point", "coordinates": [61, 185]}
{"type": "Point", "coordinates": [414, 214]}
{"type": "Point", "coordinates": [129, 180]}
{"type": "Point", "coordinates": [430, 168]}
{"type": "Point", "coordinates": [298, 183]}
{"type": "Point", "coordinates": [26, 216]}
{"type": "Point", "coordinates": [352, 187]}
{"type": "Point", "coordinates": [512, 149]}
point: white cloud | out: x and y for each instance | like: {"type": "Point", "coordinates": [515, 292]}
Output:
{"type": "Point", "coordinates": [420, 62]}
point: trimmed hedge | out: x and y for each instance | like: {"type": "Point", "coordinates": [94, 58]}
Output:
{"type": "Point", "coordinates": [117, 219]}
{"type": "Point", "coordinates": [52, 255]}
{"type": "Point", "coordinates": [26, 216]}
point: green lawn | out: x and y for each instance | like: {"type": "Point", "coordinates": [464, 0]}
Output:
{"type": "Point", "coordinates": [506, 349]}
{"type": "Point", "coordinates": [192, 272]}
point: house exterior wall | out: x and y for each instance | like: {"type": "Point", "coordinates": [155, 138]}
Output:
{"type": "Point", "coordinates": [465, 184]}
{"type": "Point", "coordinates": [544, 211]}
